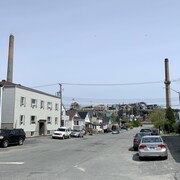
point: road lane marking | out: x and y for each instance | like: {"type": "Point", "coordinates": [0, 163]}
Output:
{"type": "Point", "coordinates": [79, 168]}
{"type": "Point", "coordinates": [11, 163]}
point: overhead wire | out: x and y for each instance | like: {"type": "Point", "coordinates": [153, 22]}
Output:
{"type": "Point", "coordinates": [106, 84]}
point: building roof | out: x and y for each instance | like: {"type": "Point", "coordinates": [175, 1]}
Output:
{"type": "Point", "coordinates": [5, 83]}
{"type": "Point", "coordinates": [83, 114]}
{"type": "Point", "coordinates": [72, 114]}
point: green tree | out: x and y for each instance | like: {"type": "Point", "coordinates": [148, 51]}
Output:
{"type": "Point", "coordinates": [74, 105]}
{"type": "Point", "coordinates": [158, 118]}
{"type": "Point", "coordinates": [136, 122]}
{"type": "Point", "coordinates": [115, 118]}
{"type": "Point", "coordinates": [170, 124]}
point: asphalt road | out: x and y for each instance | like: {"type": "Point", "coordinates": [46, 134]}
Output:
{"type": "Point", "coordinates": [97, 157]}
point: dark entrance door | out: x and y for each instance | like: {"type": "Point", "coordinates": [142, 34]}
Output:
{"type": "Point", "coordinates": [41, 128]}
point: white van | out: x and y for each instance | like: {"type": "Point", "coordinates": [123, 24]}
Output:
{"type": "Point", "coordinates": [62, 132]}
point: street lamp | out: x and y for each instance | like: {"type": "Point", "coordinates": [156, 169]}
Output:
{"type": "Point", "coordinates": [178, 92]}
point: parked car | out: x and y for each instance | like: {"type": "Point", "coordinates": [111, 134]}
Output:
{"type": "Point", "coordinates": [146, 130]}
{"type": "Point", "coordinates": [12, 136]}
{"type": "Point", "coordinates": [115, 131]}
{"type": "Point", "coordinates": [137, 139]}
{"type": "Point", "coordinates": [124, 128]}
{"type": "Point", "coordinates": [62, 133]}
{"type": "Point", "coordinates": [107, 130]}
{"type": "Point", "coordinates": [77, 133]}
{"type": "Point", "coordinates": [152, 146]}
{"type": "Point", "coordinates": [154, 131]}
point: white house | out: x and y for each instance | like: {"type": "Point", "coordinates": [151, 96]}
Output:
{"type": "Point", "coordinates": [75, 120]}
{"type": "Point", "coordinates": [38, 113]}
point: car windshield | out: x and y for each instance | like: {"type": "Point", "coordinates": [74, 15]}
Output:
{"type": "Point", "coordinates": [139, 135]}
{"type": "Point", "coordinates": [151, 140]}
{"type": "Point", "coordinates": [61, 129]}
{"type": "Point", "coordinates": [76, 130]}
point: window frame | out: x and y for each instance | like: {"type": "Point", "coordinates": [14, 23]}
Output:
{"type": "Point", "coordinates": [49, 105]}
{"type": "Point", "coordinates": [34, 104]}
{"type": "Point", "coordinates": [22, 101]}
{"type": "Point", "coordinates": [22, 120]}
{"type": "Point", "coordinates": [49, 120]}
{"type": "Point", "coordinates": [34, 121]}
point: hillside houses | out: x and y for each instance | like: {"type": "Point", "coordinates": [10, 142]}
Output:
{"type": "Point", "coordinates": [39, 113]}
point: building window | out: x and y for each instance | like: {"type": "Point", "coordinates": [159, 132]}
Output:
{"type": "Point", "coordinates": [42, 104]}
{"type": "Point", "coordinates": [62, 122]}
{"type": "Point", "coordinates": [22, 120]}
{"type": "Point", "coordinates": [49, 105]}
{"type": "Point", "coordinates": [56, 121]}
{"type": "Point", "coordinates": [34, 103]}
{"type": "Point", "coordinates": [76, 122]}
{"type": "Point", "coordinates": [49, 120]}
{"type": "Point", "coordinates": [56, 107]}
{"type": "Point", "coordinates": [32, 133]}
{"type": "Point", "coordinates": [33, 119]}
{"type": "Point", "coordinates": [23, 101]}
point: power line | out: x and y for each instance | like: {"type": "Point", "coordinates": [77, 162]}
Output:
{"type": "Point", "coordinates": [120, 84]}
{"type": "Point", "coordinates": [46, 85]}
{"type": "Point", "coordinates": [106, 84]}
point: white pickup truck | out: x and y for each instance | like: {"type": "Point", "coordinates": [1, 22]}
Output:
{"type": "Point", "coordinates": [62, 132]}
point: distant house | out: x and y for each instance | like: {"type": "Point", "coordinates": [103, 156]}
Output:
{"type": "Point", "coordinates": [87, 118]}
{"type": "Point", "coordinates": [96, 120]}
{"type": "Point", "coordinates": [38, 113]}
{"type": "Point", "coordinates": [75, 120]}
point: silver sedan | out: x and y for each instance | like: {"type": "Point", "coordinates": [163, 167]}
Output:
{"type": "Point", "coordinates": [152, 146]}
{"type": "Point", "coordinates": [77, 133]}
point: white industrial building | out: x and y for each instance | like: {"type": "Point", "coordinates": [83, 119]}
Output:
{"type": "Point", "coordinates": [38, 113]}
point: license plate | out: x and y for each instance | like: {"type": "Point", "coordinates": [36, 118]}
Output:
{"type": "Point", "coordinates": [152, 147]}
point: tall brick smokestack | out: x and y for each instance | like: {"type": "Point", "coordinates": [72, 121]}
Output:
{"type": "Point", "coordinates": [10, 59]}
{"type": "Point", "coordinates": [167, 83]}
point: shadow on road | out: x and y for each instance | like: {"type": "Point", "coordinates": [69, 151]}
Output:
{"type": "Point", "coordinates": [131, 149]}
{"type": "Point", "coordinates": [173, 143]}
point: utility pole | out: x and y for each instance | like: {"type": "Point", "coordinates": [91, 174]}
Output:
{"type": "Point", "coordinates": [60, 96]}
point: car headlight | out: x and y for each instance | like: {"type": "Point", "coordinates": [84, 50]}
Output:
{"type": "Point", "coordinates": [1, 137]}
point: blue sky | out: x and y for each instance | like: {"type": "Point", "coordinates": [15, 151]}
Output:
{"type": "Point", "coordinates": [93, 42]}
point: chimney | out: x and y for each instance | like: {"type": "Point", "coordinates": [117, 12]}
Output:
{"type": "Point", "coordinates": [167, 83]}
{"type": "Point", "coordinates": [10, 59]}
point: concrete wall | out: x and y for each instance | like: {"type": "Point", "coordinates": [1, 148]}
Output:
{"type": "Point", "coordinates": [8, 105]}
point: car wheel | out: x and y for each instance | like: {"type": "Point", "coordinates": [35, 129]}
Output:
{"type": "Point", "coordinates": [63, 137]}
{"type": "Point", "coordinates": [166, 157]}
{"type": "Point", "coordinates": [140, 158]}
{"type": "Point", "coordinates": [5, 143]}
{"type": "Point", "coordinates": [20, 141]}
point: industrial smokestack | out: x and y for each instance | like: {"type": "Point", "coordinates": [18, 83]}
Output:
{"type": "Point", "coordinates": [167, 83]}
{"type": "Point", "coordinates": [10, 59]}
